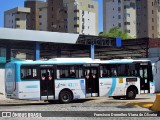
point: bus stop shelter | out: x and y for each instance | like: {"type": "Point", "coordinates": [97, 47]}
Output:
{"type": "Point", "coordinates": [44, 45]}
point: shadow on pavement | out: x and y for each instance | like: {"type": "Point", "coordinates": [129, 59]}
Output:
{"type": "Point", "coordinates": [28, 103]}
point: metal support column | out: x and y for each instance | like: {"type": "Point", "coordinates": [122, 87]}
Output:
{"type": "Point", "coordinates": [37, 51]}
{"type": "Point", "coordinates": [92, 50]}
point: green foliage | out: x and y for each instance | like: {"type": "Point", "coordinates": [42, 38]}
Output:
{"type": "Point", "coordinates": [116, 32]}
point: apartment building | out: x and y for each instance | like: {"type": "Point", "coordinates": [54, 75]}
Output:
{"type": "Point", "coordinates": [139, 18]}
{"type": "Point", "coordinates": [35, 18]}
{"type": "Point", "coordinates": [56, 15]}
{"type": "Point", "coordinates": [16, 18]}
{"type": "Point", "coordinates": [147, 19]}
{"type": "Point", "coordinates": [73, 16]}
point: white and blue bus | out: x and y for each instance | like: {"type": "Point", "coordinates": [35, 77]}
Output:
{"type": "Point", "coordinates": [66, 79]}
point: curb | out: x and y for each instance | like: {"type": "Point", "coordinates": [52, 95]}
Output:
{"type": "Point", "coordinates": [156, 105]}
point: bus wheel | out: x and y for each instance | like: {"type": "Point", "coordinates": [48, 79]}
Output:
{"type": "Point", "coordinates": [131, 94]}
{"type": "Point", "coordinates": [116, 97]}
{"type": "Point", "coordinates": [65, 96]}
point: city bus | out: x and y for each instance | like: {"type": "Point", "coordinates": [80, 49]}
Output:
{"type": "Point", "coordinates": [67, 79]}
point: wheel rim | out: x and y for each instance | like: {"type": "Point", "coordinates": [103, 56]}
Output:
{"type": "Point", "coordinates": [65, 97]}
{"type": "Point", "coordinates": [131, 94]}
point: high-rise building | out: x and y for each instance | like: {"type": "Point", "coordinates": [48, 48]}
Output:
{"type": "Point", "coordinates": [147, 18]}
{"type": "Point", "coordinates": [33, 20]}
{"type": "Point", "coordinates": [139, 18]}
{"type": "Point", "coordinates": [73, 16]}
{"type": "Point", "coordinates": [16, 18]}
{"type": "Point", "coordinates": [56, 15]}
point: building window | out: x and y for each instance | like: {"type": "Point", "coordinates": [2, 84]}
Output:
{"type": "Point", "coordinates": [126, 23]}
{"type": "Point", "coordinates": [152, 4]}
{"type": "Point", "coordinates": [138, 23]}
{"type": "Point", "coordinates": [17, 26]}
{"type": "Point", "coordinates": [65, 26]}
{"type": "Point", "coordinates": [127, 15]}
{"type": "Point", "coordinates": [119, 16]}
{"type": "Point", "coordinates": [40, 16]}
{"type": "Point", "coordinates": [152, 27]}
{"type": "Point", "coordinates": [138, 31]}
{"type": "Point", "coordinates": [83, 27]}
{"type": "Point", "coordinates": [126, 6]}
{"type": "Point", "coordinates": [138, 15]}
{"type": "Point", "coordinates": [82, 19]}
{"type": "Point", "coordinates": [82, 12]}
{"type": "Point", "coordinates": [17, 19]}
{"type": "Point", "coordinates": [40, 23]}
{"type": "Point", "coordinates": [76, 11]}
{"type": "Point", "coordinates": [90, 6]}
{"type": "Point", "coordinates": [65, 4]}
{"type": "Point", "coordinates": [138, 7]}
{"type": "Point", "coordinates": [152, 12]}
{"type": "Point", "coordinates": [119, 1]}
{"type": "Point", "coordinates": [152, 19]}
{"type": "Point", "coordinates": [65, 19]}
{"type": "Point", "coordinates": [76, 18]}
{"type": "Point", "coordinates": [132, 5]}
{"type": "Point", "coordinates": [119, 24]}
{"type": "Point", "coordinates": [75, 26]}
{"type": "Point", "coordinates": [119, 9]}
{"type": "Point", "coordinates": [128, 31]}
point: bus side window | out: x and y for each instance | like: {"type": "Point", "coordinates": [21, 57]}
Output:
{"type": "Point", "coordinates": [62, 75]}
{"type": "Point", "coordinates": [104, 74]}
{"type": "Point", "coordinates": [22, 75]}
{"type": "Point", "coordinates": [72, 75]}
{"type": "Point", "coordinates": [114, 72]}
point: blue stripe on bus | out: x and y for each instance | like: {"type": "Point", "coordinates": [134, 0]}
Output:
{"type": "Point", "coordinates": [32, 86]}
{"type": "Point", "coordinates": [29, 80]}
{"type": "Point", "coordinates": [82, 84]}
{"type": "Point", "coordinates": [113, 86]}
{"type": "Point", "coordinates": [152, 83]}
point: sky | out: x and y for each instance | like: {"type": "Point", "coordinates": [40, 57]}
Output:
{"type": "Point", "coordinates": [9, 4]}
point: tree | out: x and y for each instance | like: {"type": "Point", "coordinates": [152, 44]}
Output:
{"type": "Point", "coordinates": [116, 32]}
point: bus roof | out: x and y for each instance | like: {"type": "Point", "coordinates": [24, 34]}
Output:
{"type": "Point", "coordinates": [79, 61]}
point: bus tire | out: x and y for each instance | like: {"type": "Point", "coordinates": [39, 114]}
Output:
{"type": "Point", "coordinates": [131, 94]}
{"type": "Point", "coordinates": [65, 96]}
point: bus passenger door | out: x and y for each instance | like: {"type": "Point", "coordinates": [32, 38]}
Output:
{"type": "Point", "coordinates": [47, 83]}
{"type": "Point", "coordinates": [92, 81]}
{"type": "Point", "coordinates": [144, 79]}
